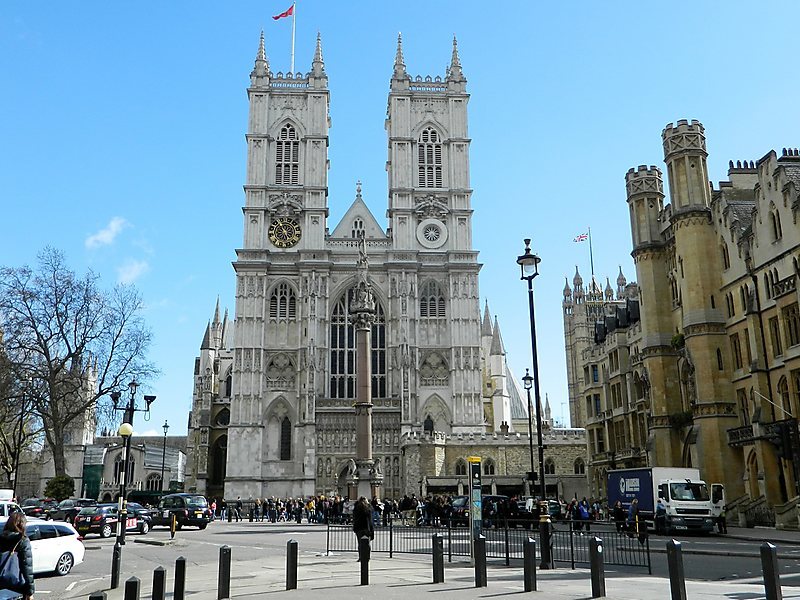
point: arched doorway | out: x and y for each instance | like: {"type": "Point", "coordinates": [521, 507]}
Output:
{"type": "Point", "coordinates": [752, 476]}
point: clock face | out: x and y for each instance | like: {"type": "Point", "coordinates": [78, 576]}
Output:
{"type": "Point", "coordinates": [284, 232]}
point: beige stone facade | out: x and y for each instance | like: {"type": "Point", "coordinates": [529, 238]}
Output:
{"type": "Point", "coordinates": [717, 354]}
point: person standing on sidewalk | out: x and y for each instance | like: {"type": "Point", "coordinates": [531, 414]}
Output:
{"type": "Point", "coordinates": [362, 525]}
{"type": "Point", "coordinates": [15, 546]}
{"type": "Point", "coordinates": [722, 522]}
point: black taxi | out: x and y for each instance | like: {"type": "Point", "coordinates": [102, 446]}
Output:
{"type": "Point", "coordinates": [103, 518]}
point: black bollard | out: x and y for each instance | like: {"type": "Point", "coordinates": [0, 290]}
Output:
{"type": "Point", "coordinates": [97, 596]}
{"type": "Point", "coordinates": [251, 515]}
{"type": "Point", "coordinates": [438, 558]}
{"type": "Point", "coordinates": [545, 534]}
{"type": "Point", "coordinates": [132, 589]}
{"type": "Point", "coordinates": [479, 552]}
{"type": "Point", "coordinates": [179, 589]}
{"type": "Point", "coordinates": [291, 565]}
{"type": "Point", "coordinates": [363, 557]}
{"type": "Point", "coordinates": [159, 583]}
{"type": "Point", "coordinates": [230, 514]}
{"type": "Point", "coordinates": [772, 576]}
{"type": "Point", "coordinates": [224, 577]}
{"type": "Point", "coordinates": [116, 560]}
{"type": "Point", "coordinates": [677, 580]}
{"type": "Point", "coordinates": [597, 568]}
{"type": "Point", "coordinates": [529, 564]}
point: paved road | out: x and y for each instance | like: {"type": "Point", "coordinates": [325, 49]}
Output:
{"type": "Point", "coordinates": [721, 559]}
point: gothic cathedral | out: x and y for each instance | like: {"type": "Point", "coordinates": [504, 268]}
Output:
{"type": "Point", "coordinates": [272, 412]}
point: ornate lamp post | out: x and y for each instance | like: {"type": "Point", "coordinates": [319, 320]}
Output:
{"type": "Point", "coordinates": [527, 382]}
{"type": "Point", "coordinates": [165, 427]}
{"type": "Point", "coordinates": [126, 431]}
{"type": "Point", "coordinates": [529, 270]}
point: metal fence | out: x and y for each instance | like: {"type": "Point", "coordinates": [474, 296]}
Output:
{"type": "Point", "coordinates": [504, 541]}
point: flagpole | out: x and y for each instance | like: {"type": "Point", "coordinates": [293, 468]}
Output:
{"type": "Point", "coordinates": [294, 12]}
{"type": "Point", "coordinates": [591, 258]}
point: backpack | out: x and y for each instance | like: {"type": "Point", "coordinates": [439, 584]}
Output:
{"type": "Point", "coordinates": [584, 512]}
{"type": "Point", "coordinates": [10, 575]}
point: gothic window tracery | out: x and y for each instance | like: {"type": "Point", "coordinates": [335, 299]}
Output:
{"type": "Point", "coordinates": [488, 467]}
{"type": "Point", "coordinates": [358, 228]}
{"type": "Point", "coordinates": [429, 148]}
{"type": "Point", "coordinates": [283, 303]}
{"type": "Point", "coordinates": [434, 371]}
{"type": "Point", "coordinates": [549, 467]}
{"type": "Point", "coordinates": [579, 467]}
{"type": "Point", "coordinates": [343, 351]}
{"type": "Point", "coordinates": [287, 157]}
{"type": "Point", "coordinates": [280, 373]}
{"type": "Point", "coordinates": [461, 467]}
{"type": "Point", "coordinates": [431, 301]}
{"type": "Point", "coordinates": [153, 482]}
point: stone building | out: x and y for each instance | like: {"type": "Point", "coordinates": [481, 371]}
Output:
{"type": "Point", "coordinates": [718, 355]}
{"type": "Point", "coordinates": [272, 406]}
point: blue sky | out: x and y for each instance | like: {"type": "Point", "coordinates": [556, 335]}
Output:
{"type": "Point", "coordinates": [122, 135]}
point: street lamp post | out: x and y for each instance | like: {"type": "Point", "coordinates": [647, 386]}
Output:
{"type": "Point", "coordinates": [529, 269]}
{"type": "Point", "coordinates": [527, 381]}
{"type": "Point", "coordinates": [126, 431]}
{"type": "Point", "coordinates": [165, 427]}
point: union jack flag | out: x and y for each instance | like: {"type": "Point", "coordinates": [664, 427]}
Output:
{"type": "Point", "coordinates": [581, 238]}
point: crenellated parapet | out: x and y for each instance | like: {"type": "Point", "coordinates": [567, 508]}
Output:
{"type": "Point", "coordinates": [684, 137]}
{"type": "Point", "coordinates": [644, 180]}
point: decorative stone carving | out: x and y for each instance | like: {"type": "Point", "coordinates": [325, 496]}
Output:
{"type": "Point", "coordinates": [280, 373]}
{"type": "Point", "coordinates": [285, 204]}
{"type": "Point", "coordinates": [434, 370]}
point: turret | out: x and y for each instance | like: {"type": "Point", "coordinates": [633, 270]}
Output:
{"type": "Point", "coordinates": [577, 286]}
{"type": "Point", "coordinates": [608, 292]}
{"type": "Point", "coordinates": [455, 76]}
{"type": "Point", "coordinates": [400, 78]}
{"type": "Point", "coordinates": [259, 76]}
{"type": "Point", "coordinates": [318, 77]}
{"type": "Point", "coordinates": [685, 155]}
{"type": "Point", "coordinates": [645, 192]}
{"type": "Point", "coordinates": [621, 283]}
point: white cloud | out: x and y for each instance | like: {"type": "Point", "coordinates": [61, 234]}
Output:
{"type": "Point", "coordinates": [106, 236]}
{"type": "Point", "coordinates": [132, 270]}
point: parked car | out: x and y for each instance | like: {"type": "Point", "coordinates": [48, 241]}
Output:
{"type": "Point", "coordinates": [189, 509]}
{"type": "Point", "coordinates": [38, 507]}
{"type": "Point", "coordinates": [56, 547]}
{"type": "Point", "coordinates": [528, 506]}
{"type": "Point", "coordinates": [68, 509]}
{"type": "Point", "coordinates": [103, 519]}
{"type": "Point", "coordinates": [7, 508]}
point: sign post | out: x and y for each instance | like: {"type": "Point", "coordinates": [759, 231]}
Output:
{"type": "Point", "coordinates": [475, 507]}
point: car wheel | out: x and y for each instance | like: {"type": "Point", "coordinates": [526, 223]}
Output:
{"type": "Point", "coordinates": [64, 564]}
{"type": "Point", "coordinates": [202, 526]}
{"type": "Point", "coordinates": [106, 531]}
{"type": "Point", "coordinates": [145, 527]}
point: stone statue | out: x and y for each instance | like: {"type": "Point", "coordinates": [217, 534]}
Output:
{"type": "Point", "coordinates": [351, 468]}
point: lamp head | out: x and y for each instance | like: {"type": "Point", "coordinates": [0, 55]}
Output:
{"type": "Point", "coordinates": [165, 427]}
{"type": "Point", "coordinates": [528, 262]}
{"type": "Point", "coordinates": [115, 399]}
{"type": "Point", "coordinates": [133, 386]}
{"type": "Point", "coordinates": [527, 381]}
{"type": "Point", "coordinates": [148, 400]}
{"type": "Point", "coordinates": [125, 430]}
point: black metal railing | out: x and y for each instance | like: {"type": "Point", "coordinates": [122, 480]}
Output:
{"type": "Point", "coordinates": [504, 541]}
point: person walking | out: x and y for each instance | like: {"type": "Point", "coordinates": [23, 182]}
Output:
{"type": "Point", "coordinates": [362, 526]}
{"type": "Point", "coordinates": [618, 514]}
{"type": "Point", "coordinates": [15, 546]}
{"type": "Point", "coordinates": [238, 512]}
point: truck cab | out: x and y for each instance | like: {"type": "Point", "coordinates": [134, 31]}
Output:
{"type": "Point", "coordinates": [684, 505]}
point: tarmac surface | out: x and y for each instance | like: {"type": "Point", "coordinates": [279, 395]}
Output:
{"type": "Point", "coordinates": [337, 577]}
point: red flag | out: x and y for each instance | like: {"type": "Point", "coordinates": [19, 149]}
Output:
{"type": "Point", "coordinates": [286, 13]}
{"type": "Point", "coordinates": [581, 238]}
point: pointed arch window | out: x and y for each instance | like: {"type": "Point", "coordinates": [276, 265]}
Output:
{"type": "Point", "coordinates": [343, 351]}
{"type": "Point", "coordinates": [153, 482]}
{"type": "Point", "coordinates": [726, 258]}
{"type": "Point", "coordinates": [429, 148]}
{"type": "Point", "coordinates": [431, 301]}
{"type": "Point", "coordinates": [549, 467]}
{"type": "Point", "coordinates": [283, 303]}
{"type": "Point", "coordinates": [488, 467]}
{"type": "Point", "coordinates": [219, 458]}
{"type": "Point", "coordinates": [579, 468]}
{"type": "Point", "coordinates": [358, 228]}
{"type": "Point", "coordinates": [785, 399]}
{"type": "Point", "coordinates": [461, 467]}
{"type": "Point", "coordinates": [286, 439]}
{"type": "Point", "coordinates": [775, 222]}
{"type": "Point", "coordinates": [287, 157]}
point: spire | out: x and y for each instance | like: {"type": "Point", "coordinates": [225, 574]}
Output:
{"type": "Point", "coordinates": [318, 65]}
{"type": "Point", "coordinates": [399, 62]}
{"type": "Point", "coordinates": [261, 68]}
{"type": "Point", "coordinates": [216, 313]}
{"type": "Point", "coordinates": [206, 344]}
{"type": "Point", "coordinates": [224, 341]}
{"type": "Point", "coordinates": [577, 281]}
{"type": "Point", "coordinates": [609, 293]}
{"type": "Point", "coordinates": [547, 411]}
{"type": "Point", "coordinates": [621, 283]}
{"type": "Point", "coordinates": [454, 72]}
{"type": "Point", "coordinates": [567, 289]}
{"type": "Point", "coordinates": [498, 348]}
{"type": "Point", "coordinates": [486, 324]}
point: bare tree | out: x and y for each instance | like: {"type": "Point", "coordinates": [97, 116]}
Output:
{"type": "Point", "coordinates": [73, 341]}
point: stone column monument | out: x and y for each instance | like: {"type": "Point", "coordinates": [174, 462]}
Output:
{"type": "Point", "coordinates": [367, 477]}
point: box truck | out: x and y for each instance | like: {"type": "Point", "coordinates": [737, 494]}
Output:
{"type": "Point", "coordinates": [670, 498]}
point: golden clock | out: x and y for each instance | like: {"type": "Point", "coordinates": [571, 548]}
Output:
{"type": "Point", "coordinates": [284, 232]}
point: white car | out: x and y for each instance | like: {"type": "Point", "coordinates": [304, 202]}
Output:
{"type": "Point", "coordinates": [7, 507]}
{"type": "Point", "coordinates": [56, 546]}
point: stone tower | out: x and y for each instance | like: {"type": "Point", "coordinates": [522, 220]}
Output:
{"type": "Point", "coordinates": [705, 388]}
{"type": "Point", "coordinates": [292, 427]}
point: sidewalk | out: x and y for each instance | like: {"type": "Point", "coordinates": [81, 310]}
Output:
{"type": "Point", "coordinates": [764, 534]}
{"type": "Point", "coordinates": [337, 578]}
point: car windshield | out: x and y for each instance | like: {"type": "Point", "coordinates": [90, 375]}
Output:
{"type": "Point", "coordinates": [32, 502]}
{"type": "Point", "coordinates": [89, 510]}
{"type": "Point", "coordinates": [688, 491]}
{"type": "Point", "coordinates": [196, 502]}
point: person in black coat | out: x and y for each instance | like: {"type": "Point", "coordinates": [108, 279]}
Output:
{"type": "Point", "coordinates": [362, 522]}
{"type": "Point", "coordinates": [13, 536]}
